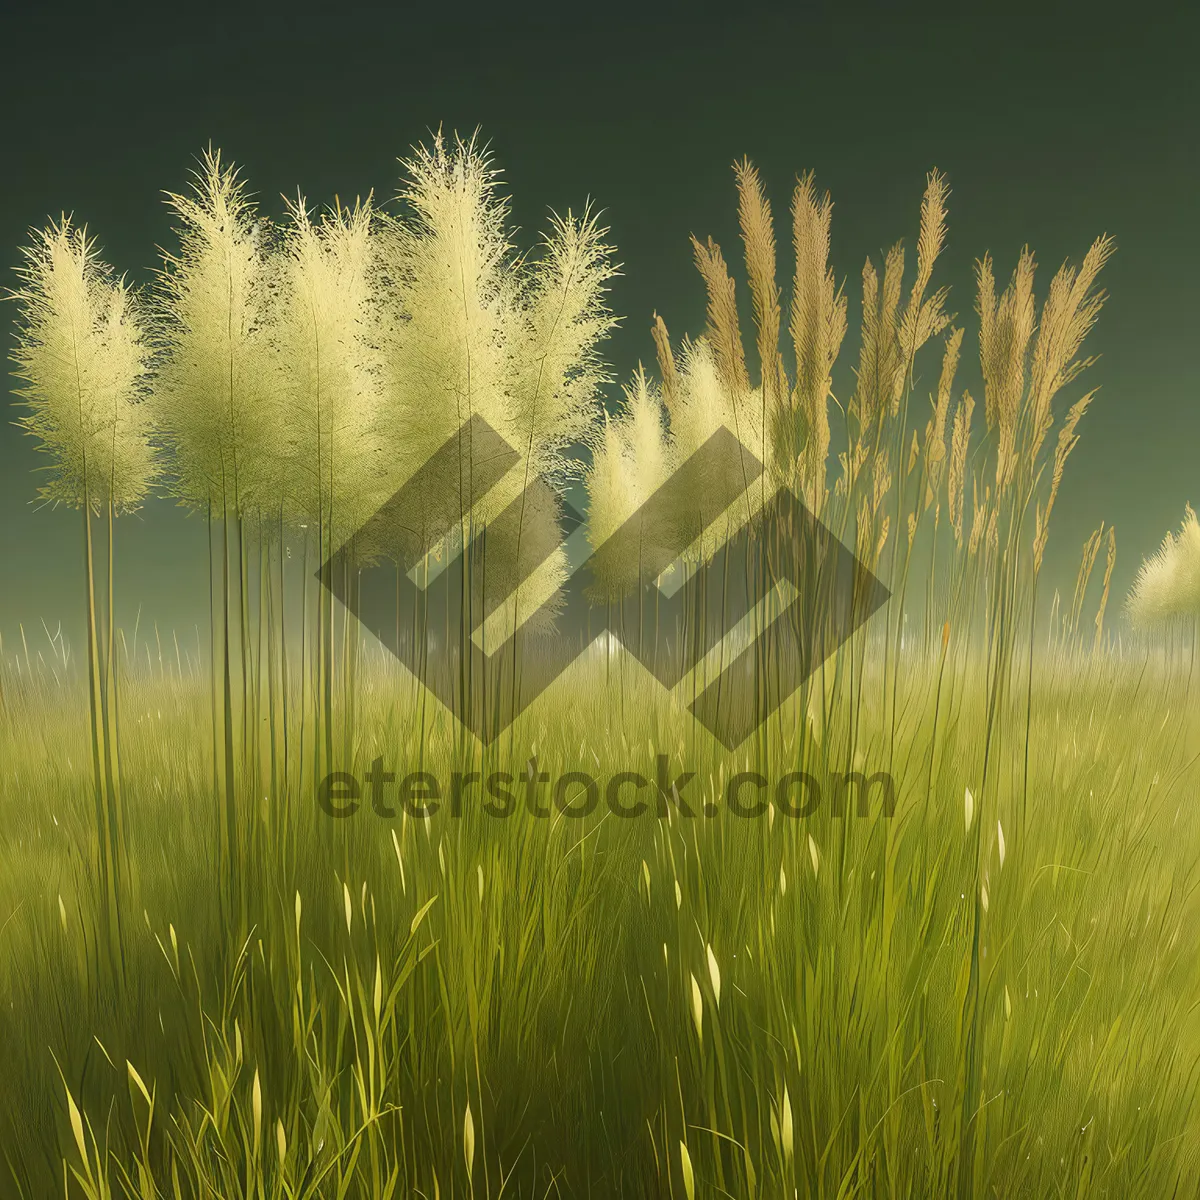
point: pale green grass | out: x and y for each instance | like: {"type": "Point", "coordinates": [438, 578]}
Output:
{"type": "Point", "coordinates": [555, 975]}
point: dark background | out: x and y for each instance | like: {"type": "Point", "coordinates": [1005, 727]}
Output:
{"type": "Point", "coordinates": [1053, 125]}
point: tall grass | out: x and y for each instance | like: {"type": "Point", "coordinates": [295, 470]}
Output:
{"type": "Point", "coordinates": [980, 984]}
{"type": "Point", "coordinates": [82, 355]}
{"type": "Point", "coordinates": [549, 984]}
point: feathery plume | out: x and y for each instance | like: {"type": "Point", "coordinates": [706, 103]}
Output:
{"type": "Point", "coordinates": [1005, 328]}
{"type": "Point", "coordinates": [925, 318]}
{"type": "Point", "coordinates": [329, 376]}
{"type": "Point", "coordinates": [82, 352]}
{"type": "Point", "coordinates": [471, 328]}
{"type": "Point", "coordinates": [758, 239]}
{"type": "Point", "coordinates": [892, 362]}
{"type": "Point", "coordinates": [666, 364]}
{"type": "Point", "coordinates": [817, 328]}
{"type": "Point", "coordinates": [1168, 583]}
{"type": "Point", "coordinates": [881, 365]}
{"type": "Point", "coordinates": [863, 403]}
{"type": "Point", "coordinates": [1068, 314]}
{"type": "Point", "coordinates": [630, 460]}
{"type": "Point", "coordinates": [217, 395]}
{"type": "Point", "coordinates": [554, 359]}
{"type": "Point", "coordinates": [724, 333]}
{"type": "Point", "coordinates": [1067, 441]}
{"type": "Point", "coordinates": [450, 300]}
{"type": "Point", "coordinates": [935, 430]}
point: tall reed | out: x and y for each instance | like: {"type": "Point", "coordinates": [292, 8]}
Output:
{"type": "Point", "coordinates": [82, 353]}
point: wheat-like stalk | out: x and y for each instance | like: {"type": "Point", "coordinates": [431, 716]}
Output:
{"type": "Point", "coordinates": [1086, 563]}
{"type": "Point", "coordinates": [817, 328]}
{"type": "Point", "coordinates": [1005, 328]}
{"type": "Point", "coordinates": [1068, 439]}
{"type": "Point", "coordinates": [935, 429]}
{"type": "Point", "coordinates": [925, 317]}
{"type": "Point", "coordinates": [724, 333]}
{"type": "Point", "coordinates": [1068, 314]}
{"type": "Point", "coordinates": [758, 239]}
{"type": "Point", "coordinates": [1108, 571]}
{"type": "Point", "coordinates": [666, 364]}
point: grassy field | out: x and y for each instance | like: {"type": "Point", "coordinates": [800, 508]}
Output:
{"type": "Point", "coordinates": [983, 983]}
{"type": "Point", "coordinates": [528, 1006]}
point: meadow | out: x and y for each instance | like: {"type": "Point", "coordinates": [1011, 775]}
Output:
{"type": "Point", "coordinates": [216, 989]}
{"type": "Point", "coordinates": [788, 999]}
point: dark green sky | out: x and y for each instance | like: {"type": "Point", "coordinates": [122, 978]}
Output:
{"type": "Point", "coordinates": [1052, 126]}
